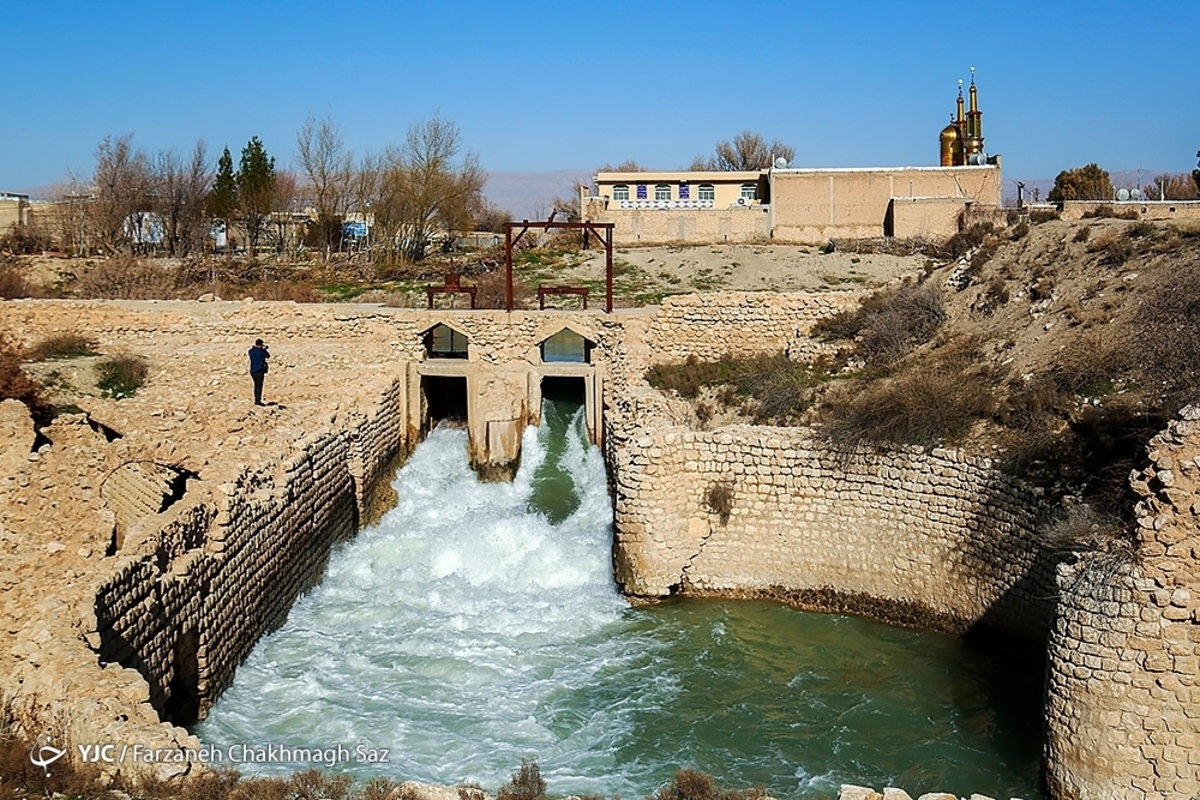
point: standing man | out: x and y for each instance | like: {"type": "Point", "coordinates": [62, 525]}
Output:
{"type": "Point", "coordinates": [258, 368]}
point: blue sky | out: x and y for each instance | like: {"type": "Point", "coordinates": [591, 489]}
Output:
{"type": "Point", "coordinates": [538, 86]}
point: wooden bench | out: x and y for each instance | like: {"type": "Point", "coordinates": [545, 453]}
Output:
{"type": "Point", "coordinates": [451, 287]}
{"type": "Point", "coordinates": [582, 291]}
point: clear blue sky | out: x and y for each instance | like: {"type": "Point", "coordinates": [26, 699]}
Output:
{"type": "Point", "coordinates": [540, 86]}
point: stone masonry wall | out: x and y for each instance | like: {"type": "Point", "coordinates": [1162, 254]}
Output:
{"type": "Point", "coordinates": [710, 325]}
{"type": "Point", "coordinates": [1123, 700]}
{"type": "Point", "coordinates": [940, 540]}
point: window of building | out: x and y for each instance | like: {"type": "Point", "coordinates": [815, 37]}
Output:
{"type": "Point", "coordinates": [641, 191]}
{"type": "Point", "coordinates": [706, 192]}
{"type": "Point", "coordinates": [662, 192]}
{"type": "Point", "coordinates": [685, 192]}
{"type": "Point", "coordinates": [750, 191]}
{"type": "Point", "coordinates": [442, 341]}
{"type": "Point", "coordinates": [620, 192]}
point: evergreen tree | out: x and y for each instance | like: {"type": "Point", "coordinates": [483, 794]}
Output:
{"type": "Point", "coordinates": [223, 200]}
{"type": "Point", "coordinates": [255, 189]}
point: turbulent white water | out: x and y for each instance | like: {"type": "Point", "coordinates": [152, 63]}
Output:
{"type": "Point", "coordinates": [467, 631]}
{"type": "Point", "coordinates": [455, 631]}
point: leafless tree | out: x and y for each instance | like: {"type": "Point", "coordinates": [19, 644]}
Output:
{"type": "Point", "coordinates": [181, 195]}
{"type": "Point", "coordinates": [122, 186]}
{"type": "Point", "coordinates": [425, 188]}
{"type": "Point", "coordinates": [628, 165]}
{"type": "Point", "coordinates": [749, 151]}
{"type": "Point", "coordinates": [329, 168]}
{"type": "Point", "coordinates": [1177, 186]}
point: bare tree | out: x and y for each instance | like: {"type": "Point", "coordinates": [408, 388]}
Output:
{"type": "Point", "coordinates": [1173, 186]}
{"type": "Point", "coordinates": [329, 167]}
{"type": "Point", "coordinates": [181, 194]}
{"type": "Point", "coordinates": [425, 189]}
{"type": "Point", "coordinates": [749, 151]}
{"type": "Point", "coordinates": [628, 165]}
{"type": "Point", "coordinates": [122, 187]}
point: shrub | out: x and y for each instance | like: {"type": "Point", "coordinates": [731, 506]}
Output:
{"type": "Point", "coordinates": [1142, 229]}
{"type": "Point", "coordinates": [1082, 235]}
{"type": "Point", "coordinates": [1109, 212]}
{"type": "Point", "coordinates": [719, 499]}
{"type": "Point", "coordinates": [931, 402]}
{"type": "Point", "coordinates": [13, 285]}
{"type": "Point", "coordinates": [121, 375]}
{"type": "Point", "coordinates": [964, 241]}
{"type": "Point", "coordinates": [692, 784]}
{"type": "Point", "coordinates": [63, 345]}
{"type": "Point", "coordinates": [891, 322]}
{"type": "Point", "coordinates": [16, 384]}
{"type": "Point", "coordinates": [125, 278]}
{"type": "Point", "coordinates": [1081, 527]}
{"type": "Point", "coordinates": [1019, 232]}
{"type": "Point", "coordinates": [1041, 215]}
{"type": "Point", "coordinates": [526, 783]}
{"type": "Point", "coordinates": [779, 386]}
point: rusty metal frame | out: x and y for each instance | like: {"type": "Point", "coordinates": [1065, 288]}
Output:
{"type": "Point", "coordinates": [602, 230]}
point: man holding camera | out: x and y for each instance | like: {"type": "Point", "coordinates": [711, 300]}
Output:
{"type": "Point", "coordinates": [258, 368]}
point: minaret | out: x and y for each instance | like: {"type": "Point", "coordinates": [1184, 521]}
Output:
{"type": "Point", "coordinates": [974, 138]}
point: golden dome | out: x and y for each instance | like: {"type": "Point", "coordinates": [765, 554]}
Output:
{"type": "Point", "coordinates": [949, 133]}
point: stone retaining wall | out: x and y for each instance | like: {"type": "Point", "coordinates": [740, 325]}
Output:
{"type": "Point", "coordinates": [940, 540]}
{"type": "Point", "coordinates": [708, 326]}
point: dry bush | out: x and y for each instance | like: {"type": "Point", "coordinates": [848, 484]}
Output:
{"type": "Point", "coordinates": [719, 499]}
{"type": "Point", "coordinates": [1082, 235]}
{"type": "Point", "coordinates": [776, 388]}
{"type": "Point", "coordinates": [692, 784]}
{"type": "Point", "coordinates": [121, 375]}
{"type": "Point", "coordinates": [1110, 212]}
{"type": "Point", "coordinates": [967, 240]}
{"type": "Point", "coordinates": [1082, 527]}
{"type": "Point", "coordinates": [935, 400]}
{"type": "Point", "coordinates": [490, 288]}
{"type": "Point", "coordinates": [125, 278]}
{"type": "Point", "coordinates": [16, 384]}
{"type": "Point", "coordinates": [891, 322]}
{"type": "Point", "coordinates": [1040, 215]}
{"type": "Point", "coordinates": [1113, 249]}
{"type": "Point", "coordinates": [13, 285]}
{"type": "Point", "coordinates": [62, 345]}
{"type": "Point", "coordinates": [1019, 232]}
{"type": "Point", "coordinates": [526, 783]}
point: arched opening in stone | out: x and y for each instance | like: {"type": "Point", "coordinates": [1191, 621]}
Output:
{"type": "Point", "coordinates": [567, 347]}
{"type": "Point", "coordinates": [569, 389]}
{"type": "Point", "coordinates": [442, 341]}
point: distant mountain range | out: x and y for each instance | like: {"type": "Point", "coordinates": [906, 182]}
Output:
{"type": "Point", "coordinates": [528, 195]}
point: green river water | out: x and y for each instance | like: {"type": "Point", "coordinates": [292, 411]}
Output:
{"type": "Point", "coordinates": [477, 625]}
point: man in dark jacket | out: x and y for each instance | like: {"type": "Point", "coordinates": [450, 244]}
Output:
{"type": "Point", "coordinates": [258, 368]}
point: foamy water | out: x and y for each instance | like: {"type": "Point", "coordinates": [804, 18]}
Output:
{"type": "Point", "coordinates": [467, 631]}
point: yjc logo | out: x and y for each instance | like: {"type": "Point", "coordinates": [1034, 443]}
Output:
{"type": "Point", "coordinates": [43, 753]}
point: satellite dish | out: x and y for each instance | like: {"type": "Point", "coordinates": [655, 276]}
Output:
{"type": "Point", "coordinates": [1122, 195]}
{"type": "Point", "coordinates": [1135, 194]}
{"type": "Point", "coordinates": [781, 163]}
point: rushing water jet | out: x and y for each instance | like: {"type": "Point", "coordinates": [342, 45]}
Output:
{"type": "Point", "coordinates": [478, 624]}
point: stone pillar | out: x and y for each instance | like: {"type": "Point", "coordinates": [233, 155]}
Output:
{"type": "Point", "coordinates": [1123, 697]}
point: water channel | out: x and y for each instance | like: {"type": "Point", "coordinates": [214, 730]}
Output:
{"type": "Point", "coordinates": [478, 624]}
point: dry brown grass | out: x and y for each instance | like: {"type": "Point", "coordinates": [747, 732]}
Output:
{"type": "Point", "coordinates": [890, 323]}
{"type": "Point", "coordinates": [692, 784]}
{"type": "Point", "coordinates": [62, 345]}
{"type": "Point", "coordinates": [932, 401]}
